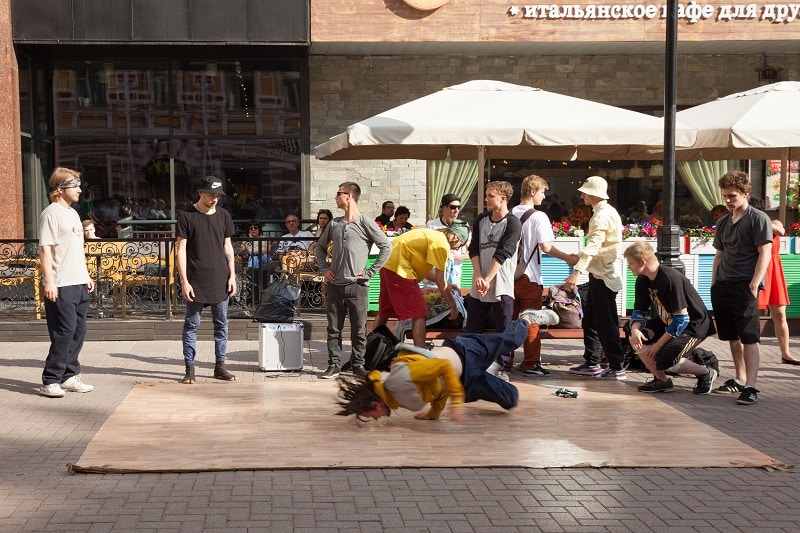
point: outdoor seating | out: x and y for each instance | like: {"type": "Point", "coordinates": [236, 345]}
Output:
{"type": "Point", "coordinates": [143, 273]}
{"type": "Point", "coordinates": [21, 271]}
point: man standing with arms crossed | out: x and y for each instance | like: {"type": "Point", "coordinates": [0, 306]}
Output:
{"type": "Point", "coordinates": [493, 252]}
{"type": "Point", "coordinates": [598, 258]}
{"type": "Point", "coordinates": [207, 272]}
{"type": "Point", "coordinates": [347, 277]}
{"type": "Point", "coordinates": [66, 285]}
{"type": "Point", "coordinates": [744, 248]}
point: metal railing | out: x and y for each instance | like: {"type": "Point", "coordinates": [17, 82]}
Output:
{"type": "Point", "coordinates": [137, 277]}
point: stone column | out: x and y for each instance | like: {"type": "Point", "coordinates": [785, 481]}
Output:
{"type": "Point", "coordinates": [11, 213]}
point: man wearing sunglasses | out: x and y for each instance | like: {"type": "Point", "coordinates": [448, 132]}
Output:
{"type": "Point", "coordinates": [449, 211]}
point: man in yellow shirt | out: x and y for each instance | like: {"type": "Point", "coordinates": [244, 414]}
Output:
{"type": "Point", "coordinates": [414, 254]}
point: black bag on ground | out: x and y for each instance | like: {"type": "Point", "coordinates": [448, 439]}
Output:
{"type": "Point", "coordinates": [380, 350]}
{"type": "Point", "coordinates": [277, 303]}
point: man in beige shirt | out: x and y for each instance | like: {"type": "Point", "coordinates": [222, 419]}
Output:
{"type": "Point", "coordinates": [598, 258]}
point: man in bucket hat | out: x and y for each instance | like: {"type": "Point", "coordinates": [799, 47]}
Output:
{"type": "Point", "coordinates": [206, 267]}
{"type": "Point", "coordinates": [598, 258]}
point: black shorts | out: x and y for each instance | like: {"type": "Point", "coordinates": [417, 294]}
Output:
{"type": "Point", "coordinates": [674, 350]}
{"type": "Point", "coordinates": [735, 312]}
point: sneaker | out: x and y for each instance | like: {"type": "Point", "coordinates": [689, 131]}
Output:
{"type": "Point", "coordinates": [535, 371]}
{"type": "Point", "coordinates": [52, 390]}
{"type": "Point", "coordinates": [74, 384]}
{"type": "Point", "coordinates": [729, 386]}
{"type": "Point", "coordinates": [586, 370]}
{"type": "Point", "coordinates": [331, 372]}
{"type": "Point", "coordinates": [610, 373]}
{"type": "Point", "coordinates": [705, 382]}
{"type": "Point", "coordinates": [359, 370]}
{"type": "Point", "coordinates": [657, 385]}
{"type": "Point", "coordinates": [749, 396]}
{"type": "Point", "coordinates": [497, 370]}
{"type": "Point", "coordinates": [222, 374]}
{"type": "Point", "coordinates": [543, 317]}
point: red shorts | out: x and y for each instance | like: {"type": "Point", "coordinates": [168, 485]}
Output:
{"type": "Point", "coordinates": [400, 298]}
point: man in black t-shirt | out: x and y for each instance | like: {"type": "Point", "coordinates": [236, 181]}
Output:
{"type": "Point", "coordinates": [207, 272]}
{"type": "Point", "coordinates": [669, 320]}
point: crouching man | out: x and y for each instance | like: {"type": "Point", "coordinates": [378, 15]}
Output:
{"type": "Point", "coordinates": [679, 322]}
{"type": "Point", "coordinates": [457, 370]}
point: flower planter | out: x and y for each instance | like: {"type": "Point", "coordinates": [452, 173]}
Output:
{"type": "Point", "coordinates": [569, 245]}
{"type": "Point", "coordinates": [699, 246]}
{"type": "Point", "coordinates": [630, 240]}
{"type": "Point", "coordinates": [795, 245]}
{"type": "Point", "coordinates": [785, 245]}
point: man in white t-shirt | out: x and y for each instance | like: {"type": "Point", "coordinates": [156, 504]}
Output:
{"type": "Point", "coordinates": [292, 223]}
{"type": "Point", "coordinates": [449, 210]}
{"type": "Point", "coordinates": [67, 285]}
{"type": "Point", "coordinates": [537, 238]}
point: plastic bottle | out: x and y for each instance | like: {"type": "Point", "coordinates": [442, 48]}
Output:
{"type": "Point", "coordinates": [566, 393]}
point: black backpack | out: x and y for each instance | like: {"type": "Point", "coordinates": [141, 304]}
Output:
{"type": "Point", "coordinates": [380, 350]}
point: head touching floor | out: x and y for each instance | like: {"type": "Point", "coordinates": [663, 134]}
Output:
{"type": "Point", "coordinates": [357, 396]}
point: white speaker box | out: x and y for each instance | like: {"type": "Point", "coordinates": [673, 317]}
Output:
{"type": "Point", "coordinates": [280, 346]}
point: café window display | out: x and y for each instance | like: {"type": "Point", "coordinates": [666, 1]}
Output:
{"type": "Point", "coordinates": [143, 133]}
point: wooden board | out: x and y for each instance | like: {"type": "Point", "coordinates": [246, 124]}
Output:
{"type": "Point", "coordinates": [165, 427]}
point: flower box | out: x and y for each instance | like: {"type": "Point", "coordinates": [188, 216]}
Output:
{"type": "Point", "coordinates": [795, 245]}
{"type": "Point", "coordinates": [569, 245]}
{"type": "Point", "coordinates": [785, 245]}
{"type": "Point", "coordinates": [630, 240]}
{"type": "Point", "coordinates": [699, 246]}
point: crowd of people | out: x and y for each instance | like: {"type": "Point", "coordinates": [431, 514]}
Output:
{"type": "Point", "coordinates": [505, 246]}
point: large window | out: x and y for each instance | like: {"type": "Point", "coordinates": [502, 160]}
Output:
{"type": "Point", "coordinates": [147, 131]}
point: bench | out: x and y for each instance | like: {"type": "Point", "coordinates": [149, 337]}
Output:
{"type": "Point", "coordinates": [549, 333]}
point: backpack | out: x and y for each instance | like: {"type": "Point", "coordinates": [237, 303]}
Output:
{"type": "Point", "coordinates": [522, 263]}
{"type": "Point", "coordinates": [380, 350]}
{"type": "Point", "coordinates": [567, 306]}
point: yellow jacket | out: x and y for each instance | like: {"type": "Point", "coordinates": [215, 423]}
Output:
{"type": "Point", "coordinates": [416, 380]}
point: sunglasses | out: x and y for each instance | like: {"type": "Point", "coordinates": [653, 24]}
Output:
{"type": "Point", "coordinates": [339, 193]}
{"type": "Point", "coordinates": [454, 207]}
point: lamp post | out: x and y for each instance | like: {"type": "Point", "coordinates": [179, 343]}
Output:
{"type": "Point", "coordinates": [668, 245]}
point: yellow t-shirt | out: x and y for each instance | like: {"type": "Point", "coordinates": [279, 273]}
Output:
{"type": "Point", "coordinates": [417, 252]}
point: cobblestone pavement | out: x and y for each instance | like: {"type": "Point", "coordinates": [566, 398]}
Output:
{"type": "Point", "coordinates": [40, 436]}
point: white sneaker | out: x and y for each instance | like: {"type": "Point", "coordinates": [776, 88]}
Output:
{"type": "Point", "coordinates": [497, 371]}
{"type": "Point", "coordinates": [74, 384]}
{"type": "Point", "coordinates": [543, 317]}
{"type": "Point", "coordinates": [52, 390]}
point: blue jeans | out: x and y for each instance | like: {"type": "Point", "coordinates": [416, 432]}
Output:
{"type": "Point", "coordinates": [477, 352]}
{"type": "Point", "coordinates": [66, 324]}
{"type": "Point", "coordinates": [219, 316]}
{"type": "Point", "coordinates": [341, 300]}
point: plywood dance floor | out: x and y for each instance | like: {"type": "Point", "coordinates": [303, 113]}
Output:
{"type": "Point", "coordinates": [165, 427]}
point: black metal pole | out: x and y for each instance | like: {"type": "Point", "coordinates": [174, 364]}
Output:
{"type": "Point", "coordinates": [668, 246]}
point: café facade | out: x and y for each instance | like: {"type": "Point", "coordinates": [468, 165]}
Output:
{"type": "Point", "coordinates": [147, 97]}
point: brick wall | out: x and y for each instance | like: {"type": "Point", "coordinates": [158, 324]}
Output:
{"type": "Point", "coordinates": [347, 89]}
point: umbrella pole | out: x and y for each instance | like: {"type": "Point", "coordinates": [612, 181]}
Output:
{"type": "Point", "coordinates": [481, 178]}
{"type": "Point", "coordinates": [784, 186]}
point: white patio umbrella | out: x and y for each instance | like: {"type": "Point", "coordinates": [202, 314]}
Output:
{"type": "Point", "coordinates": [762, 123]}
{"type": "Point", "coordinates": [485, 118]}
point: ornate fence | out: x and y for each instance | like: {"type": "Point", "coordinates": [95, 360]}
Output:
{"type": "Point", "coordinates": [137, 277]}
